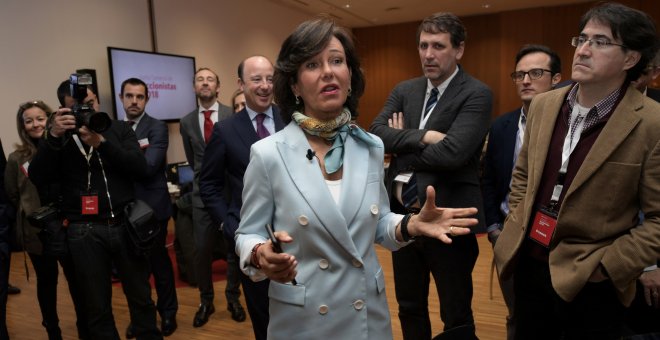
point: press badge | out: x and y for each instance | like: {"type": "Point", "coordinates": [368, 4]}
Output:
{"type": "Point", "coordinates": [90, 203]}
{"type": "Point", "coordinates": [543, 228]}
{"type": "Point", "coordinates": [144, 143]}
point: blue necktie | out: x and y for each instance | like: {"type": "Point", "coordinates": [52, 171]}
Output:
{"type": "Point", "coordinates": [431, 102]}
{"type": "Point", "coordinates": [409, 191]}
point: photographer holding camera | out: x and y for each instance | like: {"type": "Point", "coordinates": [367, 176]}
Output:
{"type": "Point", "coordinates": [96, 171]}
{"type": "Point", "coordinates": [42, 237]}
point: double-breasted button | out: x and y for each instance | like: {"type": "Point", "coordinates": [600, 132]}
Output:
{"type": "Point", "coordinates": [374, 209]}
{"type": "Point", "coordinates": [303, 220]}
{"type": "Point", "coordinates": [358, 304]}
{"type": "Point", "coordinates": [323, 309]}
{"type": "Point", "coordinates": [324, 264]}
{"type": "Point", "coordinates": [356, 263]}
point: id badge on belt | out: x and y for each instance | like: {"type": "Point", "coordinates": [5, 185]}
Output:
{"type": "Point", "coordinates": [89, 203]}
{"type": "Point", "coordinates": [543, 228]}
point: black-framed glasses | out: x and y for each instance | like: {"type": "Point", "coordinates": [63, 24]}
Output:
{"type": "Point", "coordinates": [534, 74]}
{"type": "Point", "coordinates": [598, 43]}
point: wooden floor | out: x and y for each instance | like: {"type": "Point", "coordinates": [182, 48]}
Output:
{"type": "Point", "coordinates": [24, 317]}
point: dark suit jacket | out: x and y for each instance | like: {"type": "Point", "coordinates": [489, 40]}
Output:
{"type": "Point", "coordinates": [194, 145]}
{"type": "Point", "coordinates": [498, 165]}
{"type": "Point", "coordinates": [153, 187]}
{"type": "Point", "coordinates": [452, 165]}
{"type": "Point", "coordinates": [4, 209]}
{"type": "Point", "coordinates": [653, 94]}
{"type": "Point", "coordinates": [228, 153]}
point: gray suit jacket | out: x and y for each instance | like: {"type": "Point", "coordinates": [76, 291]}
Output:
{"type": "Point", "coordinates": [452, 165]}
{"type": "Point", "coordinates": [194, 145]}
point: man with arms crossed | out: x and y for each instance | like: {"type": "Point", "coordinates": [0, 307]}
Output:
{"type": "Point", "coordinates": [435, 127]}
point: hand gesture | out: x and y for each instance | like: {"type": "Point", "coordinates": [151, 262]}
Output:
{"type": "Point", "coordinates": [438, 223]}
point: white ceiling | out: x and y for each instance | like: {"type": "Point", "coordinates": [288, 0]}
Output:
{"type": "Point", "coordinates": [364, 13]}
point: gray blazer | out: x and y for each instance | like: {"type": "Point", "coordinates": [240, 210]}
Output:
{"type": "Point", "coordinates": [194, 145]}
{"type": "Point", "coordinates": [340, 292]}
{"type": "Point", "coordinates": [452, 165]}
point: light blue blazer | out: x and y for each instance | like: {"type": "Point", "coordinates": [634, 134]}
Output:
{"type": "Point", "coordinates": [340, 292]}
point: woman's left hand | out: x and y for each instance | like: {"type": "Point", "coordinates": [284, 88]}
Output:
{"type": "Point", "coordinates": [436, 222]}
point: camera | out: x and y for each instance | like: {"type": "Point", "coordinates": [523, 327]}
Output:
{"type": "Point", "coordinates": [84, 113]}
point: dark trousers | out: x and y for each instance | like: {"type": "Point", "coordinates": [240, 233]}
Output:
{"type": "Point", "coordinates": [94, 247]}
{"type": "Point", "coordinates": [161, 267]}
{"type": "Point", "coordinates": [595, 313]}
{"type": "Point", "coordinates": [207, 237]}
{"type": "Point", "coordinates": [451, 266]}
{"type": "Point", "coordinates": [5, 260]}
{"type": "Point", "coordinates": [642, 318]}
{"type": "Point", "coordinates": [47, 273]}
{"type": "Point", "coordinates": [256, 298]}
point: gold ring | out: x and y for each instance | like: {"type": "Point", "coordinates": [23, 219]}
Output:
{"type": "Point", "coordinates": [451, 231]}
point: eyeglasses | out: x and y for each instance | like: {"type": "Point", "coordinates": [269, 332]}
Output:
{"type": "Point", "coordinates": [534, 74]}
{"type": "Point", "coordinates": [598, 43]}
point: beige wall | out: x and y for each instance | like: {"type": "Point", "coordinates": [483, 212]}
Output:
{"type": "Point", "coordinates": [43, 41]}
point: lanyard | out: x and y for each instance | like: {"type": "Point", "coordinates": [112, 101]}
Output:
{"type": "Point", "coordinates": [576, 125]}
{"type": "Point", "coordinates": [88, 156]}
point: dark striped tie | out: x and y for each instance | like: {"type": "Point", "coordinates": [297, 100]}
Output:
{"type": "Point", "coordinates": [431, 102]}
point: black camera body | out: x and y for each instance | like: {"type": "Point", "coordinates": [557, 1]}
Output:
{"type": "Point", "coordinates": [84, 113]}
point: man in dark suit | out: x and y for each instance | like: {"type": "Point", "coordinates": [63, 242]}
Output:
{"type": "Point", "coordinates": [196, 129]}
{"type": "Point", "coordinates": [435, 127]}
{"type": "Point", "coordinates": [226, 159]}
{"type": "Point", "coordinates": [537, 70]}
{"type": "Point", "coordinates": [153, 139]}
{"type": "Point", "coordinates": [5, 254]}
{"type": "Point", "coordinates": [644, 312]}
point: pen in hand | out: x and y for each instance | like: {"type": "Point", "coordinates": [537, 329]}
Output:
{"type": "Point", "coordinates": [277, 247]}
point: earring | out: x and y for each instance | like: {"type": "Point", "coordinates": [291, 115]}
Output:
{"type": "Point", "coordinates": [349, 91]}
{"type": "Point", "coordinates": [297, 100]}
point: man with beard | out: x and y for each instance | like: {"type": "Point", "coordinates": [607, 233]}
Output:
{"type": "Point", "coordinates": [435, 126]}
{"type": "Point", "coordinates": [153, 139]}
{"type": "Point", "coordinates": [196, 130]}
{"type": "Point", "coordinates": [225, 162]}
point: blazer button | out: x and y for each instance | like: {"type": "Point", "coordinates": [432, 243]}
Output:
{"type": "Point", "coordinates": [323, 310]}
{"type": "Point", "coordinates": [374, 209]}
{"type": "Point", "coordinates": [324, 264]}
{"type": "Point", "coordinates": [358, 304]}
{"type": "Point", "coordinates": [303, 220]}
{"type": "Point", "coordinates": [356, 263]}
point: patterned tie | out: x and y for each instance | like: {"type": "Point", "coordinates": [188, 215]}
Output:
{"type": "Point", "coordinates": [431, 102]}
{"type": "Point", "coordinates": [208, 125]}
{"type": "Point", "coordinates": [262, 132]}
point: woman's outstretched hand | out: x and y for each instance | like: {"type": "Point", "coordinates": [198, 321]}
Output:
{"type": "Point", "coordinates": [440, 223]}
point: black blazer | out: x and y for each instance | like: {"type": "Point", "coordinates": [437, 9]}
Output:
{"type": "Point", "coordinates": [452, 165]}
{"type": "Point", "coordinates": [498, 164]}
{"type": "Point", "coordinates": [225, 160]}
{"type": "Point", "coordinates": [153, 187]}
{"type": "Point", "coordinates": [653, 94]}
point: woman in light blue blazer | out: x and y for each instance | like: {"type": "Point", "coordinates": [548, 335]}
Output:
{"type": "Point", "coordinates": [319, 183]}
